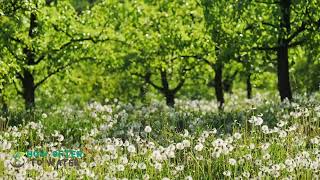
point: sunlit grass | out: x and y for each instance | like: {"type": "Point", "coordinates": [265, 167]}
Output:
{"type": "Point", "coordinates": [255, 139]}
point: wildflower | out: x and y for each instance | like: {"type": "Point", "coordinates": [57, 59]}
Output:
{"type": "Point", "coordinates": [227, 173]}
{"type": "Point", "coordinates": [186, 143]}
{"type": "Point", "coordinates": [246, 174]}
{"type": "Point", "coordinates": [248, 156]}
{"type": "Point", "coordinates": [237, 135]}
{"type": "Point", "coordinates": [147, 129]}
{"type": "Point", "coordinates": [314, 165]}
{"type": "Point", "coordinates": [124, 160]}
{"type": "Point", "coordinates": [282, 134]}
{"type": "Point", "coordinates": [265, 146]}
{"type": "Point", "coordinates": [146, 177]}
{"type": "Point", "coordinates": [179, 168]}
{"type": "Point", "coordinates": [131, 149]}
{"type": "Point", "coordinates": [180, 146]}
{"type": "Point", "coordinates": [60, 138]}
{"type": "Point", "coordinates": [156, 155]}
{"type": "Point", "coordinates": [314, 140]}
{"type": "Point", "coordinates": [232, 161]}
{"type": "Point", "coordinates": [44, 115]}
{"type": "Point", "coordinates": [257, 121]}
{"type": "Point", "coordinates": [198, 147]}
{"type": "Point", "coordinates": [120, 167]}
{"type": "Point", "coordinates": [142, 166]}
{"type": "Point", "coordinates": [251, 146]}
{"type": "Point", "coordinates": [189, 178]}
{"type": "Point", "coordinates": [266, 156]}
{"type": "Point", "coordinates": [158, 166]}
{"type": "Point", "coordinates": [265, 129]}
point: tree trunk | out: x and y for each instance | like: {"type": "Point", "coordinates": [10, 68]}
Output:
{"type": "Point", "coordinates": [249, 86]}
{"type": "Point", "coordinates": [218, 85]}
{"type": "Point", "coordinates": [28, 90]}
{"type": "Point", "coordinates": [3, 102]}
{"type": "Point", "coordinates": [170, 99]}
{"type": "Point", "coordinates": [143, 92]}
{"type": "Point", "coordinates": [283, 74]}
{"type": "Point", "coordinates": [28, 79]}
{"type": "Point", "coordinates": [282, 52]}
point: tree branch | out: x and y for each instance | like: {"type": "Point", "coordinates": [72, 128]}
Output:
{"type": "Point", "coordinates": [148, 80]}
{"type": "Point", "coordinates": [13, 54]}
{"type": "Point", "coordinates": [17, 40]}
{"type": "Point", "coordinates": [264, 2]}
{"type": "Point", "coordinates": [179, 86]}
{"type": "Point", "coordinates": [297, 32]}
{"type": "Point", "coordinates": [17, 89]}
{"type": "Point", "coordinates": [269, 24]}
{"type": "Point", "coordinates": [297, 43]}
{"type": "Point", "coordinates": [199, 57]}
{"type": "Point", "coordinates": [266, 48]}
{"type": "Point", "coordinates": [59, 69]}
{"type": "Point", "coordinates": [164, 79]}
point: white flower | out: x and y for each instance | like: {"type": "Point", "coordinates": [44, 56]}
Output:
{"type": "Point", "coordinates": [158, 166]}
{"type": "Point", "coordinates": [156, 155]}
{"type": "Point", "coordinates": [189, 178]}
{"type": "Point", "coordinates": [232, 161]}
{"type": "Point", "coordinates": [124, 160]}
{"type": "Point", "coordinates": [198, 147]}
{"type": "Point", "coordinates": [131, 149]}
{"type": "Point", "coordinates": [147, 129]}
{"type": "Point", "coordinates": [265, 129]}
{"type": "Point", "coordinates": [246, 174]}
{"type": "Point", "coordinates": [282, 134]}
{"type": "Point", "coordinates": [266, 156]}
{"type": "Point", "coordinates": [314, 165]}
{"type": "Point", "coordinates": [256, 120]}
{"type": "Point", "coordinates": [227, 173]}
{"type": "Point", "coordinates": [314, 140]}
{"type": "Point", "coordinates": [179, 168]}
{"type": "Point", "coordinates": [237, 135]}
{"type": "Point", "coordinates": [120, 167]}
{"type": "Point", "coordinates": [252, 146]}
{"type": "Point", "coordinates": [142, 166]}
{"type": "Point", "coordinates": [146, 177]}
{"type": "Point", "coordinates": [186, 143]}
{"type": "Point", "coordinates": [60, 138]}
{"type": "Point", "coordinates": [180, 146]}
{"type": "Point", "coordinates": [265, 146]}
{"type": "Point", "coordinates": [248, 156]}
{"type": "Point", "coordinates": [44, 115]}
{"type": "Point", "coordinates": [289, 162]}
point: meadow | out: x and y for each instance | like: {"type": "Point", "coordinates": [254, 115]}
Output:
{"type": "Point", "coordinates": [159, 89]}
{"type": "Point", "coordinates": [257, 139]}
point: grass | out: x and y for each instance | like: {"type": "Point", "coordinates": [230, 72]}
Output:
{"type": "Point", "coordinates": [260, 138]}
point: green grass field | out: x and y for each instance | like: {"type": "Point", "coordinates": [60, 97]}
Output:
{"type": "Point", "coordinates": [258, 139]}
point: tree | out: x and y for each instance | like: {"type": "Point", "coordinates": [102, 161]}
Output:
{"type": "Point", "coordinates": [222, 26]}
{"type": "Point", "coordinates": [164, 52]}
{"type": "Point", "coordinates": [45, 39]}
{"type": "Point", "coordinates": [283, 25]}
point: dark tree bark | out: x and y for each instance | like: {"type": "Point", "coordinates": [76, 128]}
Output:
{"type": "Point", "coordinates": [228, 82]}
{"type": "Point", "coordinates": [4, 107]}
{"type": "Point", "coordinates": [28, 89]}
{"type": "Point", "coordinates": [282, 52]}
{"type": "Point", "coordinates": [249, 85]}
{"type": "Point", "coordinates": [170, 99]}
{"type": "Point", "coordinates": [27, 78]}
{"type": "Point", "coordinates": [169, 94]}
{"type": "Point", "coordinates": [218, 84]}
